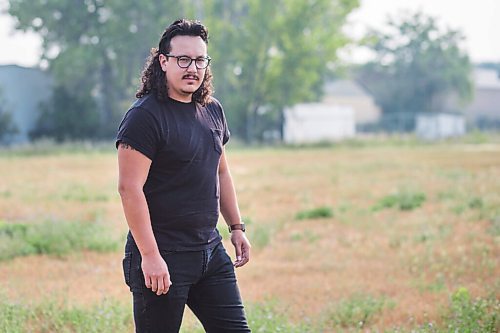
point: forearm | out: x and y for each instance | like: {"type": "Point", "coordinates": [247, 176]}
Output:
{"type": "Point", "coordinates": [228, 201]}
{"type": "Point", "coordinates": [136, 212]}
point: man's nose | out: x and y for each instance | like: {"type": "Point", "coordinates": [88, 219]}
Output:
{"type": "Point", "coordinates": [192, 66]}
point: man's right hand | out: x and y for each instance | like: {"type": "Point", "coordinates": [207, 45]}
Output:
{"type": "Point", "coordinates": [156, 273]}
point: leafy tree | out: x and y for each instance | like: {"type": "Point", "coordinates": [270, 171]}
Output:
{"type": "Point", "coordinates": [267, 54]}
{"type": "Point", "coordinates": [416, 66]}
{"type": "Point", "coordinates": [67, 117]}
{"type": "Point", "coordinates": [273, 54]}
{"type": "Point", "coordinates": [96, 49]}
{"type": "Point", "coordinates": [7, 126]}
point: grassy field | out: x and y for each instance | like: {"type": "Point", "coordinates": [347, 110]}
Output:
{"type": "Point", "coordinates": [359, 237]}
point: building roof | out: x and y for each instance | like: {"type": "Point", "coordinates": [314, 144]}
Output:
{"type": "Point", "coordinates": [486, 78]}
{"type": "Point", "coordinates": [344, 88]}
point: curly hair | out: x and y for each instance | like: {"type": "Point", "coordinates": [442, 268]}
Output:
{"type": "Point", "coordinates": [153, 78]}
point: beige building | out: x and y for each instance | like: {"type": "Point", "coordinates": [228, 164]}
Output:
{"type": "Point", "coordinates": [347, 93]}
{"type": "Point", "coordinates": [485, 107]}
{"type": "Point", "coordinates": [344, 108]}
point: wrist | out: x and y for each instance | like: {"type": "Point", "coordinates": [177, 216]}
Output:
{"type": "Point", "coordinates": [150, 253]}
{"type": "Point", "coordinates": [237, 226]}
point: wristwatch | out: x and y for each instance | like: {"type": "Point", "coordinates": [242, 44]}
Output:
{"type": "Point", "coordinates": [240, 226]}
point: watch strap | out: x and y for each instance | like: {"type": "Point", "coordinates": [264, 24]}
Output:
{"type": "Point", "coordinates": [239, 226]}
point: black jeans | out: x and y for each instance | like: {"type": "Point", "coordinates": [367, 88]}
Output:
{"type": "Point", "coordinates": [204, 280]}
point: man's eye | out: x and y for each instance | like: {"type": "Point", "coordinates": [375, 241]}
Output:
{"type": "Point", "coordinates": [184, 60]}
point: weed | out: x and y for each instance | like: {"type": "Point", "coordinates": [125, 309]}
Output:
{"type": "Point", "coordinates": [50, 317]}
{"type": "Point", "coordinates": [475, 203]}
{"type": "Point", "coordinates": [355, 312]}
{"type": "Point", "coordinates": [260, 235]}
{"type": "Point", "coordinates": [403, 200]}
{"type": "Point", "coordinates": [112, 316]}
{"type": "Point", "coordinates": [47, 147]}
{"type": "Point", "coordinates": [495, 225]}
{"type": "Point", "coordinates": [315, 213]}
{"type": "Point", "coordinates": [307, 235]}
{"type": "Point", "coordinates": [78, 192]}
{"type": "Point", "coordinates": [5, 194]}
{"type": "Point", "coordinates": [265, 317]}
{"type": "Point", "coordinates": [56, 238]}
{"type": "Point", "coordinates": [468, 315]}
{"type": "Point", "coordinates": [223, 230]}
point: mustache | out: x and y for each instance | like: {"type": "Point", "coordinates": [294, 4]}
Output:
{"type": "Point", "coordinates": [191, 75]}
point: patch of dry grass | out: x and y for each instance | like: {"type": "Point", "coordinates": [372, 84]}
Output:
{"type": "Point", "coordinates": [414, 259]}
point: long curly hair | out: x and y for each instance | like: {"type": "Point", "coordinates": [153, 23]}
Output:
{"type": "Point", "coordinates": [153, 78]}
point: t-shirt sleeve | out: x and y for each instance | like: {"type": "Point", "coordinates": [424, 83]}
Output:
{"type": "Point", "coordinates": [140, 130]}
{"type": "Point", "coordinates": [226, 134]}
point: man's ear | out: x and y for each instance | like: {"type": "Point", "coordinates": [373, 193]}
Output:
{"type": "Point", "coordinates": [162, 59]}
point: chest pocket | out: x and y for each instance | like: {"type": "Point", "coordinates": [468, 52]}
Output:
{"type": "Point", "coordinates": [217, 138]}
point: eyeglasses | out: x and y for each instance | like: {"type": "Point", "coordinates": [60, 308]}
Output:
{"type": "Point", "coordinates": [185, 61]}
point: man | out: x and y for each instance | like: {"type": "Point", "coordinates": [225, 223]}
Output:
{"type": "Point", "coordinates": [173, 180]}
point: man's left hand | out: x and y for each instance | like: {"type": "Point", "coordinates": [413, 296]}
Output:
{"type": "Point", "coordinates": [242, 247]}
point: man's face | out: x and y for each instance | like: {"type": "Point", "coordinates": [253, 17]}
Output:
{"type": "Point", "coordinates": [183, 82]}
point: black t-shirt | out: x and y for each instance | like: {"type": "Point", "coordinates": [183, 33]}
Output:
{"type": "Point", "coordinates": [184, 142]}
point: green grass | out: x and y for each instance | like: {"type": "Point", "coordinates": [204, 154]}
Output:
{"type": "Point", "coordinates": [315, 213]}
{"type": "Point", "coordinates": [357, 311]}
{"type": "Point", "coordinates": [432, 240]}
{"type": "Point", "coordinates": [259, 234]}
{"type": "Point", "coordinates": [479, 208]}
{"type": "Point", "coordinates": [473, 315]}
{"type": "Point", "coordinates": [266, 317]}
{"type": "Point", "coordinates": [51, 317]}
{"type": "Point", "coordinates": [47, 147]}
{"type": "Point", "coordinates": [402, 200]}
{"type": "Point", "coordinates": [54, 238]}
{"type": "Point", "coordinates": [112, 316]}
{"type": "Point", "coordinates": [263, 317]}
{"type": "Point", "coordinates": [354, 314]}
{"type": "Point", "coordinates": [223, 230]}
{"type": "Point", "coordinates": [79, 193]}
{"type": "Point", "coordinates": [307, 236]}
{"type": "Point", "coordinates": [467, 315]}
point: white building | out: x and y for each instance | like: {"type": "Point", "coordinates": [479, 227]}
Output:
{"type": "Point", "coordinates": [439, 125]}
{"type": "Point", "coordinates": [344, 107]}
{"type": "Point", "coordinates": [316, 122]}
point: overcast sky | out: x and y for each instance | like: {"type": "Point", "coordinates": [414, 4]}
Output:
{"type": "Point", "coordinates": [477, 19]}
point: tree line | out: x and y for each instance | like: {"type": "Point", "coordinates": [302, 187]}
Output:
{"type": "Point", "coordinates": [267, 55]}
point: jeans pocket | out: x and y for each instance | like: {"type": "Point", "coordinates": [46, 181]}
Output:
{"type": "Point", "coordinates": [217, 137]}
{"type": "Point", "coordinates": [127, 266]}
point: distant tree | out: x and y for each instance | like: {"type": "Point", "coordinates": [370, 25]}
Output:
{"type": "Point", "coordinates": [267, 55]}
{"type": "Point", "coordinates": [416, 65]}
{"type": "Point", "coordinates": [96, 49]}
{"type": "Point", "coordinates": [67, 117]}
{"type": "Point", "coordinates": [273, 54]}
{"type": "Point", "coordinates": [7, 126]}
